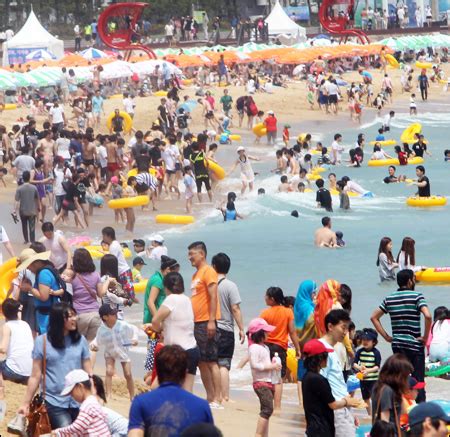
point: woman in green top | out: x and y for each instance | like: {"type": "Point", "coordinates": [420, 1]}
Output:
{"type": "Point", "coordinates": [154, 297]}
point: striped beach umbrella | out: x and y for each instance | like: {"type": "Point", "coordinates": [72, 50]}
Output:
{"type": "Point", "coordinates": [92, 53]}
{"type": "Point", "coordinates": [40, 55]}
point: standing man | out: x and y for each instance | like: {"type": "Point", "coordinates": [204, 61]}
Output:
{"type": "Point", "coordinates": [423, 84]}
{"type": "Point", "coordinates": [206, 314]}
{"type": "Point", "coordinates": [270, 124]}
{"type": "Point", "coordinates": [405, 307]}
{"type": "Point", "coordinates": [57, 116]}
{"type": "Point", "coordinates": [97, 108]}
{"type": "Point", "coordinates": [169, 30]}
{"type": "Point", "coordinates": [230, 300]}
{"type": "Point", "coordinates": [336, 325]}
{"type": "Point", "coordinates": [125, 275]}
{"type": "Point", "coordinates": [54, 241]}
{"type": "Point", "coordinates": [77, 32]}
{"type": "Point", "coordinates": [29, 206]}
{"type": "Point", "coordinates": [227, 102]}
{"type": "Point", "coordinates": [205, 25]}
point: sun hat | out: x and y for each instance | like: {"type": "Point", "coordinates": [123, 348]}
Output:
{"type": "Point", "coordinates": [315, 347]}
{"type": "Point", "coordinates": [259, 324]}
{"type": "Point", "coordinates": [158, 238]}
{"type": "Point", "coordinates": [29, 256]}
{"type": "Point", "coordinates": [270, 112]}
{"type": "Point", "coordinates": [73, 378]}
{"type": "Point", "coordinates": [240, 149]}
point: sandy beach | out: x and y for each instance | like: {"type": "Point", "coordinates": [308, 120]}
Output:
{"type": "Point", "coordinates": [290, 106]}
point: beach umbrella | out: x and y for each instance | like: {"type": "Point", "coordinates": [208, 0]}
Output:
{"type": "Point", "coordinates": [39, 55]}
{"type": "Point", "coordinates": [92, 53]}
{"type": "Point", "coordinates": [116, 70]}
{"type": "Point", "coordinates": [6, 81]}
{"type": "Point", "coordinates": [188, 106]}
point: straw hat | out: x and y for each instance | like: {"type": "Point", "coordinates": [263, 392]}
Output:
{"type": "Point", "coordinates": [29, 256]}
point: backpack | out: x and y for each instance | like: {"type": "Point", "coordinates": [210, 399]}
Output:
{"type": "Point", "coordinates": [66, 297]}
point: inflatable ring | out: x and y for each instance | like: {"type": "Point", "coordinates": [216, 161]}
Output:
{"type": "Point", "coordinates": [5, 282]}
{"type": "Point", "coordinates": [216, 169]}
{"type": "Point", "coordinates": [314, 152]}
{"type": "Point", "coordinates": [127, 121]}
{"type": "Point", "coordinates": [8, 265]}
{"type": "Point", "coordinates": [438, 371]}
{"type": "Point", "coordinates": [116, 96]}
{"type": "Point", "coordinates": [97, 252]}
{"type": "Point", "coordinates": [434, 274]}
{"type": "Point", "coordinates": [134, 172]}
{"type": "Point", "coordinates": [128, 202]}
{"type": "Point", "coordinates": [424, 65]}
{"type": "Point", "coordinates": [235, 137]}
{"type": "Point", "coordinates": [9, 106]}
{"type": "Point", "coordinates": [259, 130]}
{"type": "Point", "coordinates": [160, 93]}
{"type": "Point", "coordinates": [384, 143]}
{"type": "Point", "coordinates": [139, 287]}
{"type": "Point", "coordinates": [316, 170]}
{"type": "Point", "coordinates": [392, 61]}
{"type": "Point", "coordinates": [82, 240]}
{"type": "Point", "coordinates": [393, 161]}
{"type": "Point", "coordinates": [172, 219]}
{"type": "Point", "coordinates": [408, 134]}
{"type": "Point", "coordinates": [425, 202]}
{"type": "Point", "coordinates": [313, 177]}
{"type": "Point", "coordinates": [350, 193]}
{"type": "Point", "coordinates": [187, 82]}
{"type": "Point", "coordinates": [292, 363]}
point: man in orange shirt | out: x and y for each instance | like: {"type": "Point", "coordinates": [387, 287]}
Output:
{"type": "Point", "coordinates": [205, 305]}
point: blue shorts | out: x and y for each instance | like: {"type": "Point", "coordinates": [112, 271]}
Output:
{"type": "Point", "coordinates": [10, 375]}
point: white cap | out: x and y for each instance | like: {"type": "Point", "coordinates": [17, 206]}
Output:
{"type": "Point", "coordinates": [73, 378]}
{"type": "Point", "coordinates": [270, 112]}
{"type": "Point", "coordinates": [240, 149]}
{"type": "Point", "coordinates": [158, 238]}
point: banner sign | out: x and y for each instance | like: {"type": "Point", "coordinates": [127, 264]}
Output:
{"type": "Point", "coordinates": [17, 56]}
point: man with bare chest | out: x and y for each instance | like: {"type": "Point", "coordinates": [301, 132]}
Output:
{"type": "Point", "coordinates": [88, 153]}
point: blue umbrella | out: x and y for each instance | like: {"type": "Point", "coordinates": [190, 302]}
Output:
{"type": "Point", "coordinates": [39, 55]}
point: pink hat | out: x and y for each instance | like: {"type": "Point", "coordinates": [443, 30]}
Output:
{"type": "Point", "coordinates": [114, 180]}
{"type": "Point", "coordinates": [259, 324]}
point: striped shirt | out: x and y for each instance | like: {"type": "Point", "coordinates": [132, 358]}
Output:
{"type": "Point", "coordinates": [404, 308]}
{"type": "Point", "coordinates": [147, 179]}
{"type": "Point", "coordinates": [90, 422]}
{"type": "Point", "coordinates": [369, 359]}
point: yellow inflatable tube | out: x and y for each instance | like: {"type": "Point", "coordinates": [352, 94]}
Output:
{"type": "Point", "coordinates": [424, 65]}
{"type": "Point", "coordinates": [316, 170]}
{"type": "Point", "coordinates": [134, 172]}
{"type": "Point", "coordinates": [139, 287]}
{"type": "Point", "coordinates": [259, 130]}
{"type": "Point", "coordinates": [425, 202]}
{"type": "Point", "coordinates": [384, 143]}
{"type": "Point", "coordinates": [116, 96]}
{"type": "Point", "coordinates": [393, 161]}
{"type": "Point", "coordinates": [407, 135]}
{"type": "Point", "coordinates": [292, 363]}
{"type": "Point", "coordinates": [127, 121]}
{"type": "Point", "coordinates": [434, 274]}
{"type": "Point", "coordinates": [313, 176]}
{"type": "Point", "coordinates": [232, 137]}
{"type": "Point", "coordinates": [392, 61]}
{"type": "Point", "coordinates": [172, 219]}
{"type": "Point", "coordinates": [187, 82]}
{"type": "Point", "coordinates": [8, 265]}
{"type": "Point", "coordinates": [216, 169]}
{"type": "Point", "coordinates": [9, 106]}
{"type": "Point", "coordinates": [160, 93]}
{"type": "Point", "coordinates": [97, 251]}
{"type": "Point", "coordinates": [5, 283]}
{"type": "Point", "coordinates": [314, 152]}
{"type": "Point", "coordinates": [128, 202]}
{"type": "Point", "coordinates": [350, 193]}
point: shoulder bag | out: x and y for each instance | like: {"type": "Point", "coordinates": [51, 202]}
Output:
{"type": "Point", "coordinates": [378, 412]}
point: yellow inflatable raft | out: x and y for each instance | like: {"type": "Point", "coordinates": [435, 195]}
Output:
{"type": "Point", "coordinates": [8, 265]}
{"type": "Point", "coordinates": [408, 134]}
{"type": "Point", "coordinates": [139, 287]}
{"type": "Point", "coordinates": [313, 176]}
{"type": "Point", "coordinates": [292, 363]}
{"type": "Point", "coordinates": [9, 106]}
{"type": "Point", "coordinates": [259, 130]}
{"type": "Point", "coordinates": [127, 121]}
{"type": "Point", "coordinates": [384, 143]}
{"type": "Point", "coordinates": [5, 282]}
{"type": "Point", "coordinates": [350, 193]}
{"type": "Point", "coordinates": [424, 65]}
{"type": "Point", "coordinates": [434, 274]}
{"type": "Point", "coordinates": [172, 219]}
{"type": "Point", "coordinates": [187, 82]}
{"type": "Point", "coordinates": [393, 161]}
{"type": "Point", "coordinates": [425, 202]}
{"type": "Point", "coordinates": [116, 96]}
{"type": "Point", "coordinates": [316, 170]}
{"type": "Point", "coordinates": [216, 169]}
{"type": "Point", "coordinates": [97, 252]}
{"type": "Point", "coordinates": [160, 93]}
{"type": "Point", "coordinates": [392, 61]}
{"type": "Point", "coordinates": [128, 202]}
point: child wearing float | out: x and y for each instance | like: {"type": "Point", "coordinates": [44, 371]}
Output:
{"type": "Point", "coordinates": [368, 362]}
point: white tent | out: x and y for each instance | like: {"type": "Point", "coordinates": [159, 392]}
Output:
{"type": "Point", "coordinates": [31, 37]}
{"type": "Point", "coordinates": [279, 23]}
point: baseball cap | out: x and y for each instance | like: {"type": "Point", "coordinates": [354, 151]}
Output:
{"type": "Point", "coordinates": [114, 180]}
{"type": "Point", "coordinates": [259, 324]}
{"type": "Point", "coordinates": [158, 238]}
{"type": "Point", "coordinates": [240, 149]}
{"type": "Point", "coordinates": [414, 384]}
{"type": "Point", "coordinates": [139, 242]}
{"type": "Point", "coordinates": [369, 333]}
{"type": "Point", "coordinates": [427, 409]}
{"type": "Point", "coordinates": [73, 378]}
{"type": "Point", "coordinates": [138, 261]}
{"type": "Point", "coordinates": [107, 310]}
{"type": "Point", "coordinates": [315, 347]}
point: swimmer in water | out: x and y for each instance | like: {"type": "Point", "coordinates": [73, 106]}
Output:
{"type": "Point", "coordinates": [351, 186]}
{"type": "Point", "coordinates": [324, 236]}
{"type": "Point", "coordinates": [230, 213]}
{"type": "Point", "coordinates": [447, 155]}
{"type": "Point", "coordinates": [284, 187]}
{"type": "Point", "coordinates": [332, 181]}
{"type": "Point", "coordinates": [392, 178]}
{"type": "Point", "coordinates": [301, 187]}
{"type": "Point", "coordinates": [379, 153]}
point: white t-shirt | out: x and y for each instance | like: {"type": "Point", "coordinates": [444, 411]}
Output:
{"type": "Point", "coordinates": [128, 104]}
{"type": "Point", "coordinates": [116, 249]}
{"type": "Point", "coordinates": [57, 114]}
{"type": "Point", "coordinates": [401, 13]}
{"type": "Point", "coordinates": [60, 175]}
{"type": "Point", "coordinates": [170, 155]}
{"type": "Point", "coordinates": [158, 252]}
{"type": "Point", "coordinates": [58, 255]}
{"type": "Point", "coordinates": [378, 155]}
{"type": "Point", "coordinates": [333, 89]}
{"type": "Point", "coordinates": [387, 120]}
{"type": "Point", "coordinates": [102, 156]}
{"type": "Point", "coordinates": [18, 356]}
{"type": "Point", "coordinates": [179, 325]}
{"type": "Point", "coordinates": [3, 239]}
{"type": "Point", "coordinates": [63, 145]}
{"type": "Point", "coordinates": [335, 146]}
{"type": "Point", "coordinates": [169, 29]}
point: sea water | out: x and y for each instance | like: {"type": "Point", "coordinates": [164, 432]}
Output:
{"type": "Point", "coordinates": [272, 248]}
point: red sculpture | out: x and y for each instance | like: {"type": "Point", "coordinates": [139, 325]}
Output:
{"type": "Point", "coordinates": [338, 24]}
{"type": "Point", "coordinates": [117, 28]}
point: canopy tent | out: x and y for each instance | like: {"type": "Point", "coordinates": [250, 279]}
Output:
{"type": "Point", "coordinates": [279, 23]}
{"type": "Point", "coordinates": [31, 37]}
